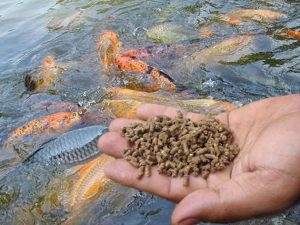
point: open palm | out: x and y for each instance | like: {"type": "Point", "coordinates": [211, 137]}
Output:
{"type": "Point", "coordinates": [264, 178]}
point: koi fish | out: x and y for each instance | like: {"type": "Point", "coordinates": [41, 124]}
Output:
{"type": "Point", "coordinates": [121, 93]}
{"type": "Point", "coordinates": [205, 106]}
{"type": "Point", "coordinates": [69, 148]}
{"type": "Point", "coordinates": [291, 34]}
{"type": "Point", "coordinates": [123, 108]}
{"type": "Point", "coordinates": [46, 125]}
{"type": "Point", "coordinates": [237, 17]}
{"type": "Point", "coordinates": [47, 76]}
{"type": "Point", "coordinates": [126, 108]}
{"type": "Point", "coordinates": [168, 33]}
{"type": "Point", "coordinates": [108, 47]}
{"type": "Point", "coordinates": [225, 48]}
{"type": "Point", "coordinates": [92, 180]}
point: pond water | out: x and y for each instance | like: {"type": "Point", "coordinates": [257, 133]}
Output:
{"type": "Point", "coordinates": [68, 30]}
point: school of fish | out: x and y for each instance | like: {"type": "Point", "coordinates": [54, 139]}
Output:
{"type": "Point", "coordinates": [70, 147]}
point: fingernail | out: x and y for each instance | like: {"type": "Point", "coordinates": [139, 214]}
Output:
{"type": "Point", "coordinates": [190, 221]}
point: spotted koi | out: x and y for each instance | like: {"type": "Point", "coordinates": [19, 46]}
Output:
{"type": "Point", "coordinates": [50, 124]}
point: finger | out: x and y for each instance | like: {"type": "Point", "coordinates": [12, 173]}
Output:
{"type": "Point", "coordinates": [170, 188]}
{"type": "Point", "coordinates": [146, 111]}
{"type": "Point", "coordinates": [113, 144]}
{"type": "Point", "coordinates": [251, 194]}
{"type": "Point", "coordinates": [117, 124]}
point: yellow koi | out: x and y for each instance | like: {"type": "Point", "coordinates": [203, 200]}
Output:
{"type": "Point", "coordinates": [91, 182]}
{"type": "Point", "coordinates": [226, 48]}
{"type": "Point", "coordinates": [126, 108]}
{"type": "Point", "coordinates": [122, 108]}
{"type": "Point", "coordinates": [124, 93]}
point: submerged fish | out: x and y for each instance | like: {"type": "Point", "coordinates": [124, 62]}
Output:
{"type": "Point", "coordinates": [237, 16]}
{"type": "Point", "coordinates": [116, 92]}
{"type": "Point", "coordinates": [291, 34]}
{"type": "Point", "coordinates": [231, 48]}
{"type": "Point", "coordinates": [70, 148]}
{"type": "Point", "coordinates": [50, 124]}
{"type": "Point", "coordinates": [48, 75]}
{"type": "Point", "coordinates": [206, 32]}
{"type": "Point", "coordinates": [125, 93]}
{"type": "Point", "coordinates": [127, 107]}
{"type": "Point", "coordinates": [91, 181]}
{"type": "Point", "coordinates": [168, 33]}
{"type": "Point", "coordinates": [26, 187]}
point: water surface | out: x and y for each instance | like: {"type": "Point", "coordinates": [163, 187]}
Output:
{"type": "Point", "coordinates": [68, 30]}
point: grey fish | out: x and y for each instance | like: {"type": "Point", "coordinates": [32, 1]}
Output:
{"type": "Point", "coordinates": [70, 148]}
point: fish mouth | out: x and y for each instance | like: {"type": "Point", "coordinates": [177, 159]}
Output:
{"type": "Point", "coordinates": [108, 47]}
{"type": "Point", "coordinates": [30, 84]}
{"type": "Point", "coordinates": [106, 53]}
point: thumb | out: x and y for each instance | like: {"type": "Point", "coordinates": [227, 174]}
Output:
{"type": "Point", "coordinates": [248, 195]}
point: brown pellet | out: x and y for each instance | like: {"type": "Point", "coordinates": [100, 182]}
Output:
{"type": "Point", "coordinates": [179, 147]}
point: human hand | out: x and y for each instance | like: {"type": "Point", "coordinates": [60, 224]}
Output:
{"type": "Point", "coordinates": [264, 178]}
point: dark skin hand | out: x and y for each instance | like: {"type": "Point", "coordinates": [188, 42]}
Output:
{"type": "Point", "coordinates": [264, 178]}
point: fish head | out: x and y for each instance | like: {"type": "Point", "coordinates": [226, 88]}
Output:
{"type": "Point", "coordinates": [108, 46]}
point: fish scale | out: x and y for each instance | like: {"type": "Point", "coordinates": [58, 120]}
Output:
{"type": "Point", "coordinates": [69, 148]}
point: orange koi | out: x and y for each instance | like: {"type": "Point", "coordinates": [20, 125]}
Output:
{"type": "Point", "coordinates": [108, 48]}
{"type": "Point", "coordinates": [46, 125]}
{"type": "Point", "coordinates": [291, 34]}
{"type": "Point", "coordinates": [91, 182]}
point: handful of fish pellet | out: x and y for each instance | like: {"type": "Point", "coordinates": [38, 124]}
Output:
{"type": "Point", "coordinates": [179, 146]}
